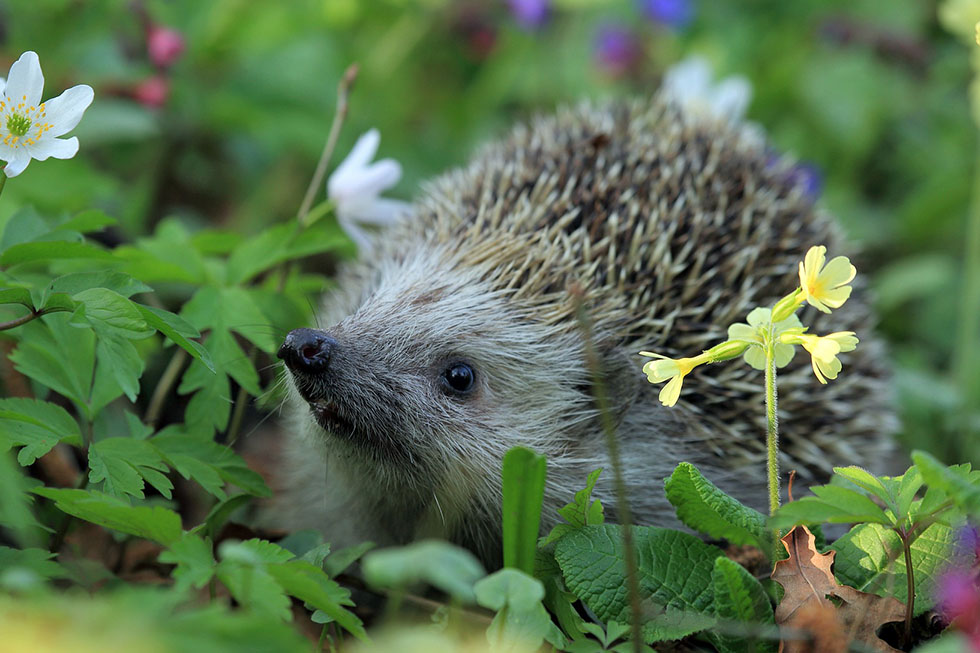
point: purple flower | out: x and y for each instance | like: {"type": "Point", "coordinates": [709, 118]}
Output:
{"type": "Point", "coordinates": [617, 49]}
{"type": "Point", "coordinates": [672, 13]}
{"type": "Point", "coordinates": [808, 177]}
{"type": "Point", "coordinates": [530, 14]}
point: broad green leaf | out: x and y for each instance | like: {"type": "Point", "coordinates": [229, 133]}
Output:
{"type": "Point", "coordinates": [58, 356]}
{"type": "Point", "coordinates": [51, 249]}
{"type": "Point", "coordinates": [232, 309]}
{"type": "Point", "coordinates": [276, 245]}
{"type": "Point", "coordinates": [110, 313]}
{"type": "Point", "coordinates": [194, 560]}
{"type": "Point", "coordinates": [309, 583]}
{"type": "Point", "coordinates": [223, 510]}
{"type": "Point", "coordinates": [38, 561]}
{"type": "Point", "coordinates": [870, 558]}
{"type": "Point", "coordinates": [833, 504]}
{"type": "Point", "coordinates": [254, 552]}
{"type": "Point", "coordinates": [523, 492]}
{"type": "Point", "coordinates": [869, 482]}
{"type": "Point", "coordinates": [76, 282]}
{"type": "Point", "coordinates": [122, 464]}
{"type": "Point", "coordinates": [440, 564]}
{"type": "Point", "coordinates": [909, 483]}
{"type": "Point", "coordinates": [207, 462]}
{"type": "Point", "coordinates": [959, 482]}
{"type": "Point", "coordinates": [16, 296]}
{"type": "Point", "coordinates": [36, 426]}
{"type": "Point", "coordinates": [521, 622]}
{"type": "Point", "coordinates": [210, 407]}
{"type": "Point", "coordinates": [153, 523]}
{"type": "Point", "coordinates": [230, 358]}
{"type": "Point", "coordinates": [338, 561]}
{"type": "Point", "coordinates": [23, 226]}
{"type": "Point", "coordinates": [16, 514]}
{"type": "Point", "coordinates": [120, 357]}
{"type": "Point", "coordinates": [675, 576]}
{"type": "Point", "coordinates": [178, 330]}
{"type": "Point", "coordinates": [740, 598]}
{"type": "Point", "coordinates": [86, 222]}
{"type": "Point", "coordinates": [705, 508]}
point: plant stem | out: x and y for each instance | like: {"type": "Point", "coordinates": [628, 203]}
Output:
{"type": "Point", "coordinates": [966, 355]}
{"type": "Point", "coordinates": [909, 584]}
{"type": "Point", "coordinates": [241, 401]}
{"type": "Point", "coordinates": [24, 319]}
{"type": "Point", "coordinates": [612, 444]}
{"type": "Point", "coordinates": [167, 380]}
{"type": "Point", "coordinates": [772, 433]}
{"type": "Point", "coordinates": [343, 91]}
{"type": "Point", "coordinates": [3, 181]}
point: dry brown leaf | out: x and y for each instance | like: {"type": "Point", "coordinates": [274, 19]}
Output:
{"type": "Point", "coordinates": [808, 580]}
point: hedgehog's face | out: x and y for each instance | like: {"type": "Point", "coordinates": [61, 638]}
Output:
{"type": "Point", "coordinates": [429, 371]}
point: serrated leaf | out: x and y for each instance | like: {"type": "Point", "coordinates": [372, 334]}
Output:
{"type": "Point", "coordinates": [110, 313]}
{"type": "Point", "coordinates": [39, 561]}
{"type": "Point", "coordinates": [581, 512]}
{"type": "Point", "coordinates": [210, 407]}
{"type": "Point", "coordinates": [338, 561]}
{"type": "Point", "coordinates": [232, 309]}
{"type": "Point", "coordinates": [194, 560]}
{"type": "Point", "coordinates": [440, 564]}
{"type": "Point", "coordinates": [254, 588]}
{"type": "Point", "coordinates": [960, 483]}
{"type": "Point", "coordinates": [200, 459]}
{"type": "Point", "coordinates": [223, 510]}
{"type": "Point", "coordinates": [122, 464]}
{"type": "Point", "coordinates": [740, 598]}
{"type": "Point", "coordinates": [276, 245]}
{"type": "Point", "coordinates": [870, 558]}
{"type": "Point", "coordinates": [523, 477]}
{"type": "Point", "coordinates": [254, 552]}
{"type": "Point", "coordinates": [835, 504]}
{"type": "Point", "coordinates": [58, 356]}
{"type": "Point", "coordinates": [704, 507]}
{"type": "Point", "coordinates": [178, 330]}
{"type": "Point", "coordinates": [674, 573]}
{"type": "Point", "coordinates": [36, 426]}
{"type": "Point", "coordinates": [49, 250]}
{"type": "Point", "coordinates": [867, 481]}
{"type": "Point", "coordinates": [120, 357]}
{"type": "Point", "coordinates": [153, 523]}
{"type": "Point", "coordinates": [16, 296]}
{"type": "Point", "coordinates": [309, 583]}
{"type": "Point", "coordinates": [76, 282]}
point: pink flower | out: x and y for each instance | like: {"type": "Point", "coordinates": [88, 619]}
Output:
{"type": "Point", "coordinates": [165, 45]}
{"type": "Point", "coordinates": [152, 91]}
{"type": "Point", "coordinates": [959, 601]}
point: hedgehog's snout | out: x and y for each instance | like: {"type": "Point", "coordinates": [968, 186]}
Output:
{"type": "Point", "coordinates": [307, 351]}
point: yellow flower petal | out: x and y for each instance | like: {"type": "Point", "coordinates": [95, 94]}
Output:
{"type": "Point", "coordinates": [661, 370]}
{"type": "Point", "coordinates": [825, 287]}
{"type": "Point", "coordinates": [672, 391]}
{"type": "Point", "coordinates": [838, 272]}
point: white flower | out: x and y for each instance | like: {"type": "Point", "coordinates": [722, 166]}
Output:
{"type": "Point", "coordinates": [355, 188]}
{"type": "Point", "coordinates": [29, 128]}
{"type": "Point", "coordinates": [689, 84]}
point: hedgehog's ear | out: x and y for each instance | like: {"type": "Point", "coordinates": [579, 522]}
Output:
{"type": "Point", "coordinates": [620, 381]}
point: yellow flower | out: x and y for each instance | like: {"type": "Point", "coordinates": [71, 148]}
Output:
{"type": "Point", "coordinates": [664, 368]}
{"type": "Point", "coordinates": [825, 286]}
{"type": "Point", "coordinates": [755, 333]}
{"type": "Point", "coordinates": [823, 350]}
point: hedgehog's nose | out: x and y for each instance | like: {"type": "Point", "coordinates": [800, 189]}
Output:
{"type": "Point", "coordinates": [307, 350]}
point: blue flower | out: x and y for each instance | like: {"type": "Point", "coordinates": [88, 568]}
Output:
{"type": "Point", "coordinates": [530, 14]}
{"type": "Point", "coordinates": [672, 13]}
{"type": "Point", "coordinates": [617, 49]}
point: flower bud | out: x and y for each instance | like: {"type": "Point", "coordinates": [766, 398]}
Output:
{"type": "Point", "coordinates": [726, 350]}
{"type": "Point", "coordinates": [164, 45]}
{"type": "Point", "coordinates": [786, 306]}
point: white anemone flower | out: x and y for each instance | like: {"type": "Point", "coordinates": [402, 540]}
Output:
{"type": "Point", "coordinates": [29, 128]}
{"type": "Point", "coordinates": [355, 188]}
{"type": "Point", "coordinates": [689, 84]}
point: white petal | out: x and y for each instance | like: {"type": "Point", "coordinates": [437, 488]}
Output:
{"type": "Point", "coordinates": [368, 182]}
{"type": "Point", "coordinates": [66, 110]}
{"type": "Point", "coordinates": [730, 99]}
{"type": "Point", "coordinates": [59, 148]}
{"type": "Point", "coordinates": [688, 81]}
{"type": "Point", "coordinates": [19, 158]}
{"type": "Point", "coordinates": [358, 235]}
{"type": "Point", "coordinates": [25, 79]}
{"type": "Point", "coordinates": [379, 210]}
{"type": "Point", "coordinates": [363, 151]}
{"type": "Point", "coordinates": [3, 84]}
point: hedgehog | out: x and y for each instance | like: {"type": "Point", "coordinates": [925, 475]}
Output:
{"type": "Point", "coordinates": [457, 338]}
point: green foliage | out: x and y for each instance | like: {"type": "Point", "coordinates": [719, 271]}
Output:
{"type": "Point", "coordinates": [450, 569]}
{"type": "Point", "coordinates": [523, 492]}
{"type": "Point", "coordinates": [521, 622]}
{"type": "Point", "coordinates": [739, 599]}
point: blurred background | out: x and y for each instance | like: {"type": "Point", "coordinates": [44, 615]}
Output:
{"type": "Point", "coordinates": [214, 113]}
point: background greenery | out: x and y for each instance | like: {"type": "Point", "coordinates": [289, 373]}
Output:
{"type": "Point", "coordinates": [870, 93]}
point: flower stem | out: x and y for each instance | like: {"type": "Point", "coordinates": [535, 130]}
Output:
{"type": "Point", "coordinates": [772, 435]}
{"type": "Point", "coordinates": [966, 355]}
{"type": "Point", "coordinates": [3, 180]}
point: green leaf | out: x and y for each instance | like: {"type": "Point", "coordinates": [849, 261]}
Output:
{"type": "Point", "coordinates": [16, 514]}
{"type": "Point", "coordinates": [276, 245]}
{"type": "Point", "coordinates": [254, 552]}
{"type": "Point", "coordinates": [254, 588]}
{"type": "Point", "coordinates": [338, 561]}
{"type": "Point", "coordinates": [194, 560]}
{"type": "Point", "coordinates": [309, 583]}
{"type": "Point", "coordinates": [51, 249]}
{"type": "Point", "coordinates": [960, 483]}
{"type": "Point", "coordinates": [909, 483]}
{"type": "Point", "coordinates": [835, 504]}
{"type": "Point", "coordinates": [121, 359]}
{"type": "Point", "coordinates": [23, 226]}
{"type": "Point", "coordinates": [221, 309]}
{"type": "Point", "coordinates": [87, 222]}
{"type": "Point", "coordinates": [210, 407]}
{"type": "Point", "coordinates": [869, 482]}
{"type": "Point", "coordinates": [870, 558]}
{"type": "Point", "coordinates": [523, 492]}
{"type": "Point", "coordinates": [36, 426]}
{"type": "Point", "coordinates": [223, 510]}
{"type": "Point", "coordinates": [38, 561]}
{"type": "Point", "coordinates": [208, 463]}
{"type": "Point", "coordinates": [110, 313]}
{"type": "Point", "coordinates": [122, 464]}
{"type": "Point", "coordinates": [16, 296]}
{"type": "Point", "coordinates": [178, 330]}
{"type": "Point", "coordinates": [521, 622]}
{"type": "Point", "coordinates": [675, 576]}
{"type": "Point", "coordinates": [58, 356]}
{"type": "Point", "coordinates": [158, 524]}
{"type": "Point", "coordinates": [705, 508]}
{"type": "Point", "coordinates": [440, 564]}
{"type": "Point", "coordinates": [739, 597]}
{"type": "Point", "coordinates": [581, 512]}
{"type": "Point", "coordinates": [76, 282]}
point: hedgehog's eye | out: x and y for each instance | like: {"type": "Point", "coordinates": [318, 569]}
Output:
{"type": "Point", "coordinates": [458, 379]}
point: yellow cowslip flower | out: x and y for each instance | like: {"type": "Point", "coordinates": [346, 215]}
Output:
{"type": "Point", "coordinates": [675, 370]}
{"type": "Point", "coordinates": [755, 334]}
{"type": "Point", "coordinates": [825, 286]}
{"type": "Point", "coordinates": [823, 350]}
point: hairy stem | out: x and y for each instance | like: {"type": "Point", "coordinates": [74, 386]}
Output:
{"type": "Point", "coordinates": [612, 445]}
{"type": "Point", "coordinates": [772, 433]}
